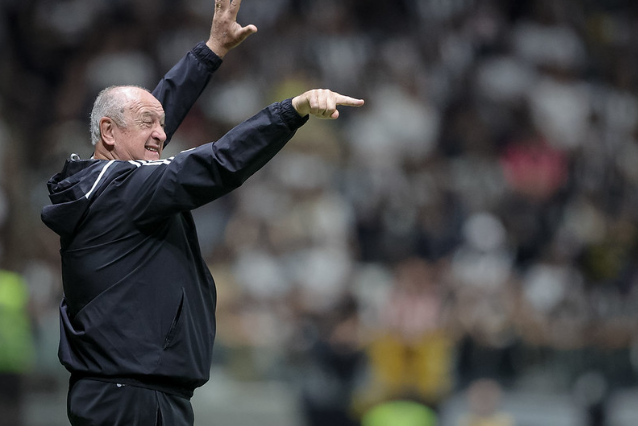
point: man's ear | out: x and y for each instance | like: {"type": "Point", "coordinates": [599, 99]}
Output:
{"type": "Point", "coordinates": [107, 130]}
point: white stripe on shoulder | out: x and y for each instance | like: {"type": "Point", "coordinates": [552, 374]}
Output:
{"type": "Point", "coordinates": [157, 162]}
{"type": "Point", "coordinates": [104, 169]}
{"type": "Point", "coordinates": [139, 163]}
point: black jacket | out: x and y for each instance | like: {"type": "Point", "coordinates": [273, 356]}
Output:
{"type": "Point", "coordinates": [139, 300]}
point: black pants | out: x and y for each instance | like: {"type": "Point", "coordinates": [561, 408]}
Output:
{"type": "Point", "coordinates": [95, 403]}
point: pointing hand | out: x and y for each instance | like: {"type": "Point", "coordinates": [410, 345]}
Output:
{"type": "Point", "coordinates": [323, 103]}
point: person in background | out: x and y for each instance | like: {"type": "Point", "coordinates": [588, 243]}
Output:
{"type": "Point", "coordinates": [484, 398]}
{"type": "Point", "coordinates": [16, 346]}
{"type": "Point", "coordinates": [410, 359]}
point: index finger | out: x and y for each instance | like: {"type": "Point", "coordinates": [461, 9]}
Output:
{"type": "Point", "coordinates": [349, 101]}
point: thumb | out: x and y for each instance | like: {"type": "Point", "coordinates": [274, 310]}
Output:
{"type": "Point", "coordinates": [245, 32]}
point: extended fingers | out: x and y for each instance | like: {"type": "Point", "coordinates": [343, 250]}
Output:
{"type": "Point", "coordinates": [235, 4]}
{"type": "Point", "coordinates": [225, 32]}
{"type": "Point", "coordinates": [227, 6]}
{"type": "Point", "coordinates": [230, 6]}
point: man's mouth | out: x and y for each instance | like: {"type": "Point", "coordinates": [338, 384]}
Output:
{"type": "Point", "coordinates": [152, 149]}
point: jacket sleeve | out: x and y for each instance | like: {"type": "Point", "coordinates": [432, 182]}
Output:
{"type": "Point", "coordinates": [203, 174]}
{"type": "Point", "coordinates": [181, 86]}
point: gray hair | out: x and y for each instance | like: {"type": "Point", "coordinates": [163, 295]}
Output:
{"type": "Point", "coordinates": [111, 103]}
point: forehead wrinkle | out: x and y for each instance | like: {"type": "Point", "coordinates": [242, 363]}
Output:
{"type": "Point", "coordinates": [139, 101]}
{"type": "Point", "coordinates": [144, 108]}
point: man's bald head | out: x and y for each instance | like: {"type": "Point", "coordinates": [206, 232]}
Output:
{"type": "Point", "coordinates": [111, 102]}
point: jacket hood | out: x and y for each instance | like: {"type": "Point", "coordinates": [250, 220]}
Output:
{"type": "Point", "coordinates": [68, 192]}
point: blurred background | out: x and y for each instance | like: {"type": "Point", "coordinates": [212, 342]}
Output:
{"type": "Point", "coordinates": [462, 249]}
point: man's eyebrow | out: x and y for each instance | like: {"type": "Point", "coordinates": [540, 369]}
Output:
{"type": "Point", "coordinates": [152, 114]}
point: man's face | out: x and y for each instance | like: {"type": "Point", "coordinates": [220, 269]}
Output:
{"type": "Point", "coordinates": [143, 136]}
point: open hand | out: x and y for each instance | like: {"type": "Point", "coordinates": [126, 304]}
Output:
{"type": "Point", "coordinates": [323, 103]}
{"type": "Point", "coordinates": [225, 32]}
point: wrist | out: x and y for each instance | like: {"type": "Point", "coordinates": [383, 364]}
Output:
{"type": "Point", "coordinates": [216, 48]}
{"type": "Point", "coordinates": [290, 114]}
{"type": "Point", "coordinates": [298, 105]}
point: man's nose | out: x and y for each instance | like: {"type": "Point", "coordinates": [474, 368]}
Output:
{"type": "Point", "coordinates": [159, 134]}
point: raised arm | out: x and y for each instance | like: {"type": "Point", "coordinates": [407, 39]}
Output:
{"type": "Point", "coordinates": [180, 88]}
{"type": "Point", "coordinates": [183, 84]}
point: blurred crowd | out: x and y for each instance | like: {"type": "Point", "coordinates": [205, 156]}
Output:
{"type": "Point", "coordinates": [476, 219]}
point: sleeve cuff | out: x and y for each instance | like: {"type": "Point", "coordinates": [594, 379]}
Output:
{"type": "Point", "coordinates": [291, 116]}
{"type": "Point", "coordinates": [207, 57]}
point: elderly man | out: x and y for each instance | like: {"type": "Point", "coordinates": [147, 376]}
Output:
{"type": "Point", "coordinates": [137, 318]}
